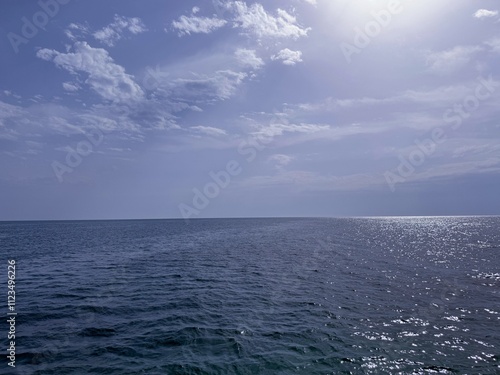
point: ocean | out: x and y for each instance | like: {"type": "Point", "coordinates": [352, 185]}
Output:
{"type": "Point", "coordinates": [401, 295]}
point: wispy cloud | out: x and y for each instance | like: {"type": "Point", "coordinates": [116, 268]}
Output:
{"type": "Point", "coordinates": [451, 60]}
{"type": "Point", "coordinates": [8, 112]}
{"type": "Point", "coordinates": [494, 44]}
{"type": "Point", "coordinates": [476, 147]}
{"type": "Point", "coordinates": [70, 86]}
{"type": "Point", "coordinates": [280, 161]}
{"type": "Point", "coordinates": [450, 170]}
{"type": "Point", "coordinates": [439, 96]}
{"type": "Point", "coordinates": [209, 130]}
{"type": "Point", "coordinates": [110, 34]}
{"type": "Point", "coordinates": [195, 25]}
{"type": "Point", "coordinates": [76, 31]}
{"type": "Point", "coordinates": [200, 88]}
{"type": "Point", "coordinates": [316, 181]}
{"type": "Point", "coordinates": [277, 129]}
{"type": "Point", "coordinates": [38, 119]}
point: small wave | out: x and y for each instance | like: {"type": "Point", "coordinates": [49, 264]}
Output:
{"type": "Point", "coordinates": [437, 370]}
{"type": "Point", "coordinates": [484, 245]}
{"type": "Point", "coordinates": [97, 332]}
{"type": "Point", "coordinates": [487, 276]}
{"type": "Point", "coordinates": [123, 351]}
{"type": "Point", "coordinates": [413, 321]}
{"type": "Point", "coordinates": [35, 357]}
{"type": "Point", "coordinates": [168, 342]}
{"type": "Point", "coordinates": [452, 318]}
{"type": "Point", "coordinates": [97, 309]}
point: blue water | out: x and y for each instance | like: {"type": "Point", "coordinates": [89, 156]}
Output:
{"type": "Point", "coordinates": [256, 296]}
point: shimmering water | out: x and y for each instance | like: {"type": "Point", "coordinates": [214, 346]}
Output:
{"type": "Point", "coordinates": [257, 296]}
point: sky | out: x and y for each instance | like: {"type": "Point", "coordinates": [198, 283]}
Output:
{"type": "Point", "coordinates": [123, 109]}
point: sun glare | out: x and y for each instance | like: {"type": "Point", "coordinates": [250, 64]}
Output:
{"type": "Point", "coordinates": [388, 13]}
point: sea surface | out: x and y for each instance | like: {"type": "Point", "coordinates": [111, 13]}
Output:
{"type": "Point", "coordinates": [412, 295]}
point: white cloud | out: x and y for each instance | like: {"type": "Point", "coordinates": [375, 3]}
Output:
{"type": "Point", "coordinates": [195, 10]}
{"type": "Point", "coordinates": [105, 77]}
{"type": "Point", "coordinates": [208, 130]}
{"type": "Point", "coordinates": [110, 34]}
{"type": "Point", "coordinates": [248, 57]}
{"type": "Point", "coordinates": [485, 13]}
{"type": "Point", "coordinates": [451, 60]}
{"type": "Point", "coordinates": [288, 57]}
{"type": "Point", "coordinates": [69, 86]}
{"type": "Point", "coordinates": [256, 20]}
{"type": "Point", "coordinates": [187, 25]}
{"type": "Point", "coordinates": [312, 2]}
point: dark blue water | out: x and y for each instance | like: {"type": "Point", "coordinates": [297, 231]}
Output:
{"type": "Point", "coordinates": [256, 296]}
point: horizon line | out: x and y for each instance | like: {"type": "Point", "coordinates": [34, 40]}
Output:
{"type": "Point", "coordinates": [255, 217]}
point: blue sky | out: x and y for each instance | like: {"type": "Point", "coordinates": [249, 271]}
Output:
{"type": "Point", "coordinates": [163, 109]}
